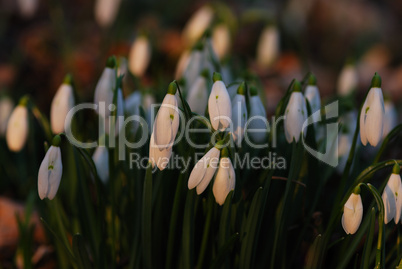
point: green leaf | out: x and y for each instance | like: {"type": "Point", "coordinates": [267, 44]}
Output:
{"type": "Point", "coordinates": [312, 257]}
{"type": "Point", "coordinates": [369, 241]}
{"type": "Point", "coordinates": [225, 251]}
{"type": "Point", "coordinates": [188, 231]}
{"type": "Point", "coordinates": [80, 252]}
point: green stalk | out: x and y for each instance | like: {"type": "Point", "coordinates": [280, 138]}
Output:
{"type": "Point", "coordinates": [207, 227]}
{"type": "Point", "coordinates": [147, 219]}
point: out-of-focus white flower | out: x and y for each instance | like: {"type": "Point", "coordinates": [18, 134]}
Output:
{"type": "Point", "coordinates": [225, 179]}
{"type": "Point", "coordinates": [17, 128]}
{"type": "Point", "coordinates": [106, 11]}
{"type": "Point", "coordinates": [219, 105]}
{"type": "Point", "coordinates": [194, 66]}
{"type": "Point", "coordinates": [197, 25]}
{"type": "Point", "coordinates": [239, 114]}
{"type": "Point", "coordinates": [257, 121]}
{"type": "Point", "coordinates": [392, 196]}
{"type": "Point", "coordinates": [204, 170]}
{"type": "Point", "coordinates": [344, 144]}
{"type": "Point", "coordinates": [167, 120]}
{"type": "Point", "coordinates": [6, 107]}
{"type": "Point", "coordinates": [148, 102]}
{"type": "Point", "coordinates": [268, 46]}
{"type": "Point", "coordinates": [62, 103]}
{"type": "Point", "coordinates": [139, 56]}
{"type": "Point", "coordinates": [197, 97]}
{"type": "Point", "coordinates": [101, 161]}
{"type": "Point", "coordinates": [28, 7]}
{"type": "Point", "coordinates": [348, 80]}
{"type": "Point", "coordinates": [352, 214]}
{"type": "Point", "coordinates": [312, 94]}
{"type": "Point", "coordinates": [50, 171]}
{"type": "Point", "coordinates": [158, 157]}
{"type": "Point", "coordinates": [390, 118]}
{"type": "Point", "coordinates": [295, 114]}
{"type": "Point", "coordinates": [182, 64]}
{"type": "Point", "coordinates": [221, 40]}
{"type": "Point", "coordinates": [104, 93]}
{"type": "Point", "coordinates": [372, 114]}
{"type": "Point", "coordinates": [132, 107]}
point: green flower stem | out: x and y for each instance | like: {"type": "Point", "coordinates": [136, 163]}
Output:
{"type": "Point", "coordinates": [112, 180]}
{"type": "Point", "coordinates": [385, 142]}
{"type": "Point", "coordinates": [207, 227]}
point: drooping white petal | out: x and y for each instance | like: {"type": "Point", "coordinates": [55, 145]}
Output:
{"type": "Point", "coordinates": [219, 106]}
{"type": "Point", "coordinates": [392, 199]}
{"type": "Point", "coordinates": [313, 96]}
{"type": "Point", "coordinates": [193, 68]}
{"type": "Point", "coordinates": [197, 97]}
{"type": "Point", "coordinates": [101, 161]}
{"type": "Point", "coordinates": [295, 116]}
{"type": "Point", "coordinates": [221, 40]}
{"type": "Point", "coordinates": [6, 108]}
{"type": "Point", "coordinates": [62, 102]}
{"type": "Point", "coordinates": [200, 169]}
{"type": "Point", "coordinates": [268, 46]}
{"type": "Point", "coordinates": [158, 157]}
{"type": "Point", "coordinates": [197, 24]}
{"type": "Point", "coordinates": [224, 180]}
{"type": "Point", "coordinates": [106, 11]}
{"type": "Point", "coordinates": [105, 86]}
{"type": "Point", "coordinates": [209, 173]}
{"type": "Point", "coordinates": [50, 173]}
{"type": "Point", "coordinates": [132, 107]}
{"type": "Point", "coordinates": [348, 80]}
{"type": "Point", "coordinates": [257, 124]}
{"type": "Point", "coordinates": [352, 214]}
{"type": "Point", "coordinates": [239, 115]}
{"type": "Point", "coordinates": [17, 128]}
{"type": "Point", "coordinates": [372, 117]}
{"type": "Point", "coordinates": [139, 56]}
{"type": "Point", "coordinates": [390, 118]}
{"type": "Point", "coordinates": [166, 122]}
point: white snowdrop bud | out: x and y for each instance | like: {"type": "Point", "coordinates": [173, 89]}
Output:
{"type": "Point", "coordinates": [239, 114]}
{"type": "Point", "coordinates": [392, 196]}
{"type": "Point", "coordinates": [6, 108]}
{"type": "Point", "coordinates": [17, 128]}
{"type": "Point", "coordinates": [295, 114]}
{"type": "Point", "coordinates": [348, 80]}
{"type": "Point", "coordinates": [62, 103]}
{"type": "Point", "coordinates": [372, 114]}
{"type": "Point", "coordinates": [221, 40]}
{"type": "Point", "coordinates": [219, 105]}
{"type": "Point", "coordinates": [225, 179]}
{"type": "Point", "coordinates": [197, 24]}
{"type": "Point", "coordinates": [106, 12]}
{"type": "Point", "coordinates": [139, 56]}
{"type": "Point", "coordinates": [50, 171]}
{"type": "Point", "coordinates": [352, 213]}
{"type": "Point", "coordinates": [268, 46]}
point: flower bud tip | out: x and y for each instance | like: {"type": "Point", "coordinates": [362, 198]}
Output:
{"type": "Point", "coordinates": [242, 88]}
{"type": "Point", "coordinates": [172, 88]}
{"type": "Point", "coordinates": [376, 81]}
{"type": "Point", "coordinates": [216, 77]}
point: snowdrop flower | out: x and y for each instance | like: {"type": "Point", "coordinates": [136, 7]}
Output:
{"type": "Point", "coordinates": [352, 213]}
{"type": "Point", "coordinates": [6, 107]}
{"type": "Point", "coordinates": [313, 96]}
{"type": "Point", "coordinates": [390, 117]}
{"type": "Point", "coordinates": [182, 64]}
{"type": "Point", "coordinates": [392, 196]}
{"type": "Point", "coordinates": [295, 114]}
{"type": "Point", "coordinates": [348, 80]}
{"type": "Point", "coordinates": [268, 46]}
{"type": "Point", "coordinates": [219, 105]}
{"type": "Point", "coordinates": [344, 144]}
{"type": "Point", "coordinates": [50, 171]}
{"type": "Point", "coordinates": [106, 11]}
{"type": "Point", "coordinates": [139, 56]}
{"type": "Point", "coordinates": [132, 107]}
{"type": "Point", "coordinates": [101, 161]}
{"type": "Point", "coordinates": [62, 103]}
{"type": "Point", "coordinates": [372, 114]}
{"type": "Point", "coordinates": [194, 66]}
{"type": "Point", "coordinates": [104, 94]}
{"type": "Point", "coordinates": [239, 113]}
{"type": "Point", "coordinates": [257, 122]}
{"type": "Point", "coordinates": [221, 40]}
{"type": "Point", "coordinates": [158, 157]}
{"type": "Point", "coordinates": [197, 24]}
{"type": "Point", "coordinates": [28, 8]}
{"type": "Point", "coordinates": [167, 120]}
{"type": "Point", "coordinates": [204, 170]}
{"type": "Point", "coordinates": [17, 127]}
{"type": "Point", "coordinates": [197, 97]}
{"type": "Point", "coordinates": [225, 179]}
